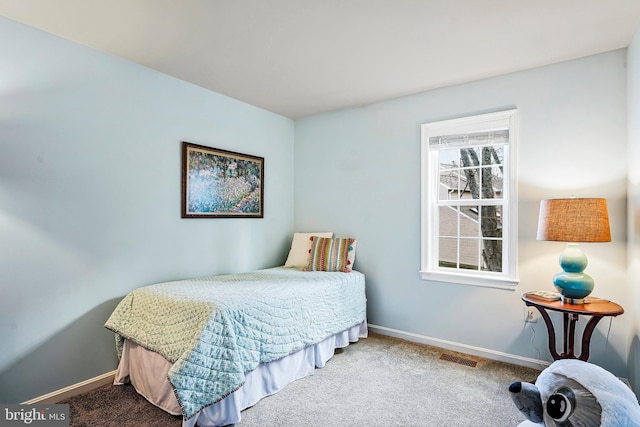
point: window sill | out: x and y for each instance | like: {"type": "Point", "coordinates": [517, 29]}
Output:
{"type": "Point", "coordinates": [472, 280]}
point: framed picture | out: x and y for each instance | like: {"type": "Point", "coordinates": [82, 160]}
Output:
{"type": "Point", "coordinates": [221, 184]}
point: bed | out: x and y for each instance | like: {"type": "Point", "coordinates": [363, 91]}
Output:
{"type": "Point", "coordinates": [207, 348]}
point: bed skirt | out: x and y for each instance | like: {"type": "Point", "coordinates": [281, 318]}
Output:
{"type": "Point", "coordinates": [147, 372]}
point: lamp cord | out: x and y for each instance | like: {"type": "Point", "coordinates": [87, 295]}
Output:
{"type": "Point", "coordinates": [535, 347]}
{"type": "Point", "coordinates": [606, 342]}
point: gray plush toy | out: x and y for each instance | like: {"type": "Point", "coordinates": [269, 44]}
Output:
{"type": "Point", "coordinates": [573, 393]}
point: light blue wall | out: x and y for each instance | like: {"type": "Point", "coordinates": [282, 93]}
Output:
{"type": "Point", "coordinates": [633, 114]}
{"type": "Point", "coordinates": [90, 199]}
{"type": "Point", "coordinates": [90, 192]}
{"type": "Point", "coordinates": [357, 173]}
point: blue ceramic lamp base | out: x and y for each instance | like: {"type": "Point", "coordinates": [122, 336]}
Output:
{"type": "Point", "coordinates": [573, 284]}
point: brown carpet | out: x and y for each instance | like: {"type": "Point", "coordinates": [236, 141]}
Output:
{"type": "Point", "coordinates": [117, 406]}
{"type": "Point", "coordinates": [378, 381]}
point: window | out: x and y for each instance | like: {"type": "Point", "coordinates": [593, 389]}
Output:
{"type": "Point", "coordinates": [469, 203]}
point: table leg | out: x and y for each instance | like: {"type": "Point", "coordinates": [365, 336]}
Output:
{"type": "Point", "coordinates": [586, 337]}
{"type": "Point", "coordinates": [569, 321]}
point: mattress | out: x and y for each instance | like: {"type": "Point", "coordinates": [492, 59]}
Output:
{"type": "Point", "coordinates": [214, 330]}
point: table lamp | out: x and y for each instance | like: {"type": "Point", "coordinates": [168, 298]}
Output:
{"type": "Point", "coordinates": [573, 220]}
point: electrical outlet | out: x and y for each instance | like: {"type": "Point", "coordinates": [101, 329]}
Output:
{"type": "Point", "coordinates": [530, 315]}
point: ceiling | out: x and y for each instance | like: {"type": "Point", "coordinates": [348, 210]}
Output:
{"type": "Point", "coordinates": [303, 57]}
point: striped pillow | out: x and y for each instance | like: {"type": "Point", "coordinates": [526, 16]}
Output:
{"type": "Point", "coordinates": [332, 254]}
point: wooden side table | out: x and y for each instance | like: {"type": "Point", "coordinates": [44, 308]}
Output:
{"type": "Point", "coordinates": [594, 307]}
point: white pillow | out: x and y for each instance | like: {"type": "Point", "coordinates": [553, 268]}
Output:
{"type": "Point", "coordinates": [299, 254]}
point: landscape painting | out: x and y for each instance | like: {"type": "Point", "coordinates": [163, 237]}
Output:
{"type": "Point", "coordinates": [221, 184]}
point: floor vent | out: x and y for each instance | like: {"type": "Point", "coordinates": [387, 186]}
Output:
{"type": "Point", "coordinates": [458, 360]}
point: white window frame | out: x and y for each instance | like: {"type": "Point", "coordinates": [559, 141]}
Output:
{"type": "Point", "coordinates": [430, 180]}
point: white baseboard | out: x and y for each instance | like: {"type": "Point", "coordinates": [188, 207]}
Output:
{"type": "Point", "coordinates": [73, 390]}
{"type": "Point", "coordinates": [100, 380]}
{"type": "Point", "coordinates": [462, 348]}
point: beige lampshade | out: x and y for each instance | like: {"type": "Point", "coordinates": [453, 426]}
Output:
{"type": "Point", "coordinates": [574, 220]}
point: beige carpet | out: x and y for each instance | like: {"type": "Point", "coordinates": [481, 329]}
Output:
{"type": "Point", "coordinates": [379, 381]}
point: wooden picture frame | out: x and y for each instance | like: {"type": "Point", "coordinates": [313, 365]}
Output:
{"type": "Point", "coordinates": [221, 184]}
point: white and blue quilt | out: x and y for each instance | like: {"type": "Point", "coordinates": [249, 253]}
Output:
{"type": "Point", "coordinates": [215, 329]}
